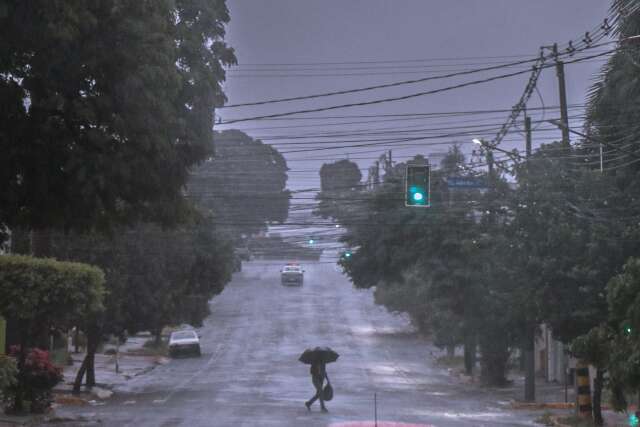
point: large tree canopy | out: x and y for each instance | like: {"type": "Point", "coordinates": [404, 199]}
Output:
{"type": "Point", "coordinates": [104, 106]}
{"type": "Point", "coordinates": [243, 186]}
{"type": "Point", "coordinates": [339, 182]}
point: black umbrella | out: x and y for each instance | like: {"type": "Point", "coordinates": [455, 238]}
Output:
{"type": "Point", "coordinates": [318, 355]}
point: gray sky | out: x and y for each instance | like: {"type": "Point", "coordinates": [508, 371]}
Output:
{"type": "Point", "coordinates": [325, 42]}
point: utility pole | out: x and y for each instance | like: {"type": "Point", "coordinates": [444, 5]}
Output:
{"type": "Point", "coordinates": [390, 160]}
{"type": "Point", "coordinates": [564, 116]}
{"type": "Point", "coordinates": [376, 179]}
{"type": "Point", "coordinates": [527, 129]}
{"type": "Point", "coordinates": [601, 162]}
{"type": "Point", "coordinates": [492, 185]}
{"type": "Point", "coordinates": [530, 336]}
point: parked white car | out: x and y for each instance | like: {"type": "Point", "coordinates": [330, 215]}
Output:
{"type": "Point", "coordinates": [184, 342]}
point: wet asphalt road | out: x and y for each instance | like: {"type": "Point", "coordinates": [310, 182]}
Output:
{"type": "Point", "coordinates": [248, 374]}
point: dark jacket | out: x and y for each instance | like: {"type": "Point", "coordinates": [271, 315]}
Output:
{"type": "Point", "coordinates": [318, 371]}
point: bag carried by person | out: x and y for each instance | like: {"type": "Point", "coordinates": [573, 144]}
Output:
{"type": "Point", "coordinates": [327, 391]}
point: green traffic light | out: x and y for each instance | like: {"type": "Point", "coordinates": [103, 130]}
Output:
{"type": "Point", "coordinates": [633, 420]}
{"type": "Point", "coordinates": [311, 241]}
{"type": "Point", "coordinates": [417, 186]}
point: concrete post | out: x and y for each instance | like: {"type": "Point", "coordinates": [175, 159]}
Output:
{"type": "Point", "coordinates": [3, 336]}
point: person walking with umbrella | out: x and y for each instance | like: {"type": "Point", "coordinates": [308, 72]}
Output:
{"type": "Point", "coordinates": [318, 359]}
{"type": "Point", "coordinates": [318, 372]}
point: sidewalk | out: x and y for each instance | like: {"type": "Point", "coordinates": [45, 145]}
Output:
{"type": "Point", "coordinates": [132, 360]}
{"type": "Point", "coordinates": [554, 404]}
{"type": "Point", "coordinates": [551, 400]}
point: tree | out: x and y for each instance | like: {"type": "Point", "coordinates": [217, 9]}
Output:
{"type": "Point", "coordinates": [94, 93]}
{"type": "Point", "coordinates": [243, 185]}
{"type": "Point", "coordinates": [339, 184]}
{"type": "Point", "coordinates": [154, 278]}
{"type": "Point", "coordinates": [435, 264]}
{"type": "Point", "coordinates": [340, 175]}
{"type": "Point", "coordinates": [623, 296]}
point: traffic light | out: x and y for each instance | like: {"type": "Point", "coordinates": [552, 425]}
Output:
{"type": "Point", "coordinates": [417, 186]}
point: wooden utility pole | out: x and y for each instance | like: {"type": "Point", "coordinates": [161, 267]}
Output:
{"type": "Point", "coordinates": [530, 336]}
{"type": "Point", "coordinates": [527, 129]}
{"type": "Point", "coordinates": [376, 181]}
{"type": "Point", "coordinates": [564, 116]}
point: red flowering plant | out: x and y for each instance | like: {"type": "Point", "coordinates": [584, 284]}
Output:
{"type": "Point", "coordinates": [36, 378]}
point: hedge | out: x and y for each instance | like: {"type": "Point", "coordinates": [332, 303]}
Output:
{"type": "Point", "coordinates": [37, 292]}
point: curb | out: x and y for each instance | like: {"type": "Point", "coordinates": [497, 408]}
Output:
{"type": "Point", "coordinates": [542, 405]}
{"type": "Point", "coordinates": [24, 420]}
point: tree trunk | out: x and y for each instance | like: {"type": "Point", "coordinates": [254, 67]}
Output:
{"type": "Point", "coordinates": [493, 372]}
{"type": "Point", "coordinates": [157, 334]}
{"type": "Point", "coordinates": [451, 351]}
{"type": "Point", "coordinates": [41, 243]}
{"type": "Point", "coordinates": [93, 340]}
{"type": "Point", "coordinates": [598, 382]}
{"type": "Point", "coordinates": [20, 241]}
{"type": "Point", "coordinates": [88, 363]}
{"type": "Point", "coordinates": [495, 355]}
{"type": "Point", "coordinates": [18, 402]}
{"type": "Point", "coordinates": [530, 365]}
{"type": "Point", "coordinates": [469, 354]}
{"type": "Point", "coordinates": [77, 339]}
{"type": "Point", "coordinates": [78, 381]}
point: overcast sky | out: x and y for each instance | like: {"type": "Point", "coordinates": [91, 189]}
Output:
{"type": "Point", "coordinates": [290, 48]}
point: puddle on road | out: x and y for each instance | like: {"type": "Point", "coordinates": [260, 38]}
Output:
{"type": "Point", "coordinates": [486, 416]}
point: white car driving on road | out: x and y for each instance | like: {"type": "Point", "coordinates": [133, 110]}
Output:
{"type": "Point", "coordinates": [184, 342]}
{"type": "Point", "coordinates": [292, 274]}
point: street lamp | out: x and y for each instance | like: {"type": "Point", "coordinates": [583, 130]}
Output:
{"type": "Point", "coordinates": [489, 153]}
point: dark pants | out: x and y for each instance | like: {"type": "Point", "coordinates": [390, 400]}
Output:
{"type": "Point", "coordinates": [317, 383]}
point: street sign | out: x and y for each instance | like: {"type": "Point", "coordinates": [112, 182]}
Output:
{"type": "Point", "coordinates": [466, 182]}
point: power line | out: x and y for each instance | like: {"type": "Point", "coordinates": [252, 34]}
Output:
{"type": "Point", "coordinates": [400, 98]}
{"type": "Point", "coordinates": [383, 86]}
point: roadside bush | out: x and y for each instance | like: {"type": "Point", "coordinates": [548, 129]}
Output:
{"type": "Point", "coordinates": [156, 348]}
{"type": "Point", "coordinates": [35, 380]}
